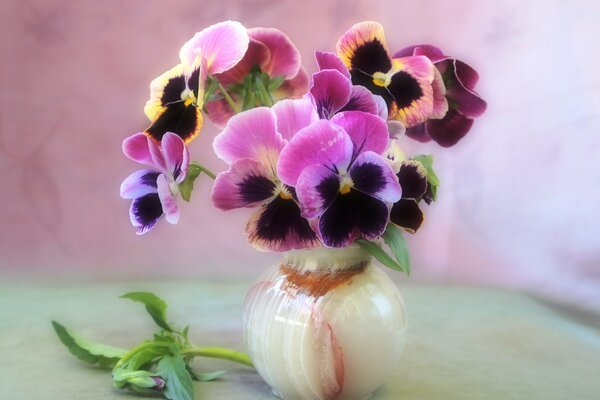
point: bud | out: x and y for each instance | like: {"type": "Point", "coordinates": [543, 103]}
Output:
{"type": "Point", "coordinates": [138, 381]}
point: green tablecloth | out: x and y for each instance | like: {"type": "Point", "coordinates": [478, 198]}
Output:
{"type": "Point", "coordinates": [464, 343]}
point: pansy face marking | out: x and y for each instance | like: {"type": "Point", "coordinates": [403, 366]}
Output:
{"type": "Point", "coordinates": [404, 83]}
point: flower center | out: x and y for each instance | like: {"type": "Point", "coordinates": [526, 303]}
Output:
{"type": "Point", "coordinates": [345, 185]}
{"type": "Point", "coordinates": [381, 79]}
{"type": "Point", "coordinates": [188, 97]}
{"type": "Point", "coordinates": [285, 194]}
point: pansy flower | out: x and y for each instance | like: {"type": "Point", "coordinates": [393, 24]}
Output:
{"type": "Point", "coordinates": [251, 143]}
{"type": "Point", "coordinates": [154, 190]}
{"type": "Point", "coordinates": [464, 103]}
{"type": "Point", "coordinates": [177, 96]}
{"type": "Point", "coordinates": [406, 212]}
{"type": "Point", "coordinates": [344, 186]}
{"type": "Point", "coordinates": [271, 52]}
{"type": "Point", "coordinates": [405, 83]}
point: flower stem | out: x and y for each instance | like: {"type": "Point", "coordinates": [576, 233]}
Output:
{"type": "Point", "coordinates": [208, 172]}
{"type": "Point", "coordinates": [218, 352]}
{"type": "Point", "coordinates": [140, 347]}
{"type": "Point", "coordinates": [228, 99]}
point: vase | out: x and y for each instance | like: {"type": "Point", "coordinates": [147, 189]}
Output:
{"type": "Point", "coordinates": [325, 324]}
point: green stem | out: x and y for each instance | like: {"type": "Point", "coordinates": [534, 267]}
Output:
{"type": "Point", "coordinates": [218, 352]}
{"type": "Point", "coordinates": [208, 172]}
{"type": "Point", "coordinates": [140, 347]}
{"type": "Point", "coordinates": [229, 100]}
{"type": "Point", "coordinates": [265, 94]}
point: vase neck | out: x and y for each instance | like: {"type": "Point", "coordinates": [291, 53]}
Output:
{"type": "Point", "coordinates": [326, 259]}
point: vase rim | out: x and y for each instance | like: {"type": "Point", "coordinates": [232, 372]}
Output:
{"type": "Point", "coordinates": [326, 258]}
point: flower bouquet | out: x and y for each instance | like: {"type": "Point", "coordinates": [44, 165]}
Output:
{"type": "Point", "coordinates": [318, 159]}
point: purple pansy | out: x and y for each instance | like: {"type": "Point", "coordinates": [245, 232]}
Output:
{"type": "Point", "coordinates": [464, 103]}
{"type": "Point", "coordinates": [344, 186]}
{"type": "Point", "coordinates": [406, 212]}
{"type": "Point", "coordinates": [251, 143]}
{"type": "Point", "coordinates": [154, 190]}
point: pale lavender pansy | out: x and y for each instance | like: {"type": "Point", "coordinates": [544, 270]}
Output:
{"type": "Point", "coordinates": [154, 190]}
{"type": "Point", "coordinates": [273, 53]}
{"type": "Point", "coordinates": [251, 144]}
{"type": "Point", "coordinates": [344, 186]}
{"type": "Point", "coordinates": [464, 104]}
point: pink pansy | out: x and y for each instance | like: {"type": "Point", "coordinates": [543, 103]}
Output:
{"type": "Point", "coordinates": [459, 80]}
{"type": "Point", "coordinates": [251, 144]}
{"type": "Point", "coordinates": [270, 52]}
{"type": "Point", "coordinates": [344, 186]}
{"type": "Point", "coordinates": [154, 190]}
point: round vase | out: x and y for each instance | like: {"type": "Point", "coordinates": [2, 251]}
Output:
{"type": "Point", "coordinates": [325, 324]}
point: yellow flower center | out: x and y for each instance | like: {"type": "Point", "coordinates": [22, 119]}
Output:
{"type": "Point", "coordinates": [284, 194]}
{"type": "Point", "coordinates": [188, 97]}
{"type": "Point", "coordinates": [381, 79]}
{"type": "Point", "coordinates": [346, 185]}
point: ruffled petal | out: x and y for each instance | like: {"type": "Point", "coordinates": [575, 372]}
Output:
{"type": "Point", "coordinates": [368, 132]}
{"type": "Point", "coordinates": [293, 88]}
{"type": "Point", "coordinates": [411, 87]}
{"type": "Point", "coordinates": [407, 214]}
{"type": "Point", "coordinates": [372, 175]}
{"type": "Point", "coordinates": [331, 91]}
{"type": "Point", "coordinates": [221, 46]}
{"type": "Point", "coordinates": [350, 216]}
{"type": "Point", "coordinates": [177, 156]}
{"type": "Point", "coordinates": [363, 47]}
{"type": "Point", "coordinates": [440, 104]}
{"type": "Point", "coordinates": [427, 50]}
{"type": "Point", "coordinates": [253, 135]}
{"type": "Point", "coordinates": [257, 54]}
{"type": "Point", "coordinates": [278, 226]}
{"type": "Point", "coordinates": [317, 188]}
{"type": "Point", "coordinates": [361, 99]}
{"type": "Point", "coordinates": [166, 88]}
{"type": "Point", "coordinates": [466, 74]}
{"type": "Point", "coordinates": [465, 100]}
{"type": "Point", "coordinates": [322, 142]}
{"type": "Point", "coordinates": [293, 115]}
{"type": "Point", "coordinates": [167, 200]}
{"type": "Point", "coordinates": [450, 129]}
{"type": "Point", "coordinates": [413, 179]}
{"type": "Point", "coordinates": [142, 149]}
{"type": "Point", "coordinates": [245, 184]}
{"type": "Point", "coordinates": [285, 57]}
{"type": "Point", "coordinates": [139, 184]}
{"type": "Point", "coordinates": [145, 212]}
{"type": "Point", "coordinates": [327, 60]}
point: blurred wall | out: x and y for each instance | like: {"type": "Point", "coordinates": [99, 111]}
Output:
{"type": "Point", "coordinates": [518, 205]}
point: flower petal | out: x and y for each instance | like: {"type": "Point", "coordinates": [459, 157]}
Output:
{"type": "Point", "coordinates": [139, 184]}
{"type": "Point", "coordinates": [145, 212]}
{"type": "Point", "coordinates": [382, 108]}
{"type": "Point", "coordinates": [257, 54]}
{"type": "Point", "coordinates": [427, 50]}
{"type": "Point", "coordinates": [317, 188]}
{"type": "Point", "coordinates": [361, 99]}
{"type": "Point", "coordinates": [350, 216]}
{"type": "Point", "coordinates": [411, 87]}
{"type": "Point", "coordinates": [440, 104]}
{"type": "Point", "coordinates": [368, 132]}
{"type": "Point", "coordinates": [395, 129]}
{"type": "Point", "coordinates": [372, 175]}
{"type": "Point", "coordinates": [407, 214]}
{"type": "Point", "coordinates": [251, 134]}
{"type": "Point", "coordinates": [450, 129]}
{"type": "Point", "coordinates": [293, 115]}
{"type": "Point", "coordinates": [142, 149]}
{"type": "Point", "coordinates": [167, 200]}
{"type": "Point", "coordinates": [327, 60]}
{"type": "Point", "coordinates": [363, 48]}
{"type": "Point", "coordinates": [285, 57]}
{"type": "Point", "coordinates": [419, 132]}
{"type": "Point", "coordinates": [413, 179]}
{"type": "Point", "coordinates": [245, 184]}
{"type": "Point", "coordinates": [395, 156]}
{"type": "Point", "coordinates": [466, 101]}
{"type": "Point", "coordinates": [166, 88]}
{"type": "Point", "coordinates": [321, 143]}
{"type": "Point", "coordinates": [278, 226]}
{"type": "Point", "coordinates": [293, 88]}
{"type": "Point", "coordinates": [331, 91]}
{"type": "Point", "coordinates": [177, 156]}
{"type": "Point", "coordinates": [184, 120]}
{"type": "Point", "coordinates": [466, 74]}
{"type": "Point", "coordinates": [219, 112]}
{"type": "Point", "coordinates": [221, 46]}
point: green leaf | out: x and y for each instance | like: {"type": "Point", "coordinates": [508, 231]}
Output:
{"type": "Point", "coordinates": [395, 240]}
{"type": "Point", "coordinates": [179, 385]}
{"type": "Point", "coordinates": [89, 352]}
{"type": "Point", "coordinates": [205, 376]}
{"type": "Point", "coordinates": [187, 186]}
{"type": "Point", "coordinates": [156, 307]}
{"type": "Point", "coordinates": [376, 251]}
{"type": "Point", "coordinates": [432, 178]}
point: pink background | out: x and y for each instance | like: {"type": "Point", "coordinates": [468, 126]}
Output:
{"type": "Point", "coordinates": [518, 205]}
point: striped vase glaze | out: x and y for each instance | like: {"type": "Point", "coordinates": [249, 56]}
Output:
{"type": "Point", "coordinates": [325, 324]}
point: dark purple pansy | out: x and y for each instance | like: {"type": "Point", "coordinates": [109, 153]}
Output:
{"type": "Point", "coordinates": [344, 186]}
{"type": "Point", "coordinates": [464, 104]}
{"type": "Point", "coordinates": [413, 180]}
{"type": "Point", "coordinates": [250, 144]}
{"type": "Point", "coordinates": [154, 190]}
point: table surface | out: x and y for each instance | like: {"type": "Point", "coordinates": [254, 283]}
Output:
{"type": "Point", "coordinates": [464, 343]}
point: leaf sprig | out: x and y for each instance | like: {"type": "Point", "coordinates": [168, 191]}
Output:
{"type": "Point", "coordinates": [161, 365]}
